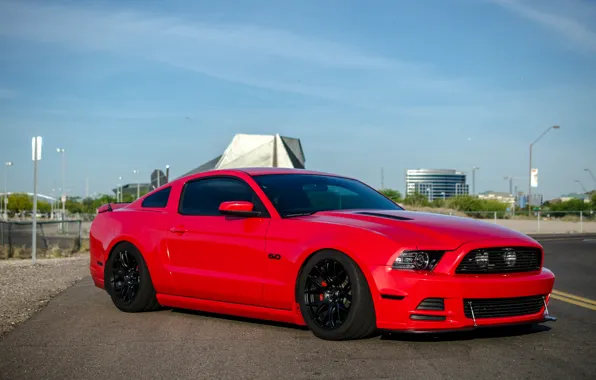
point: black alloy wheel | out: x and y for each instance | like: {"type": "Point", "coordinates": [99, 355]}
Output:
{"type": "Point", "coordinates": [125, 276]}
{"type": "Point", "coordinates": [334, 297]}
{"type": "Point", "coordinates": [128, 281]}
{"type": "Point", "coordinates": [328, 294]}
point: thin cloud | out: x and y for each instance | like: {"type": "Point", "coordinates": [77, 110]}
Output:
{"type": "Point", "coordinates": [273, 59]}
{"type": "Point", "coordinates": [110, 30]}
{"type": "Point", "coordinates": [6, 93]}
{"type": "Point", "coordinates": [561, 16]}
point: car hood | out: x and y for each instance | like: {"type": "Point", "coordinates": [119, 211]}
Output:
{"type": "Point", "coordinates": [421, 229]}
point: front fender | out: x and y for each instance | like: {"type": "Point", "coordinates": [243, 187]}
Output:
{"type": "Point", "coordinates": [296, 241]}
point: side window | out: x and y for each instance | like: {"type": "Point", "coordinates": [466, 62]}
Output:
{"type": "Point", "coordinates": [158, 199]}
{"type": "Point", "coordinates": [203, 197]}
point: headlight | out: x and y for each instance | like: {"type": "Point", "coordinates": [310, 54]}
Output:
{"type": "Point", "coordinates": [417, 260]}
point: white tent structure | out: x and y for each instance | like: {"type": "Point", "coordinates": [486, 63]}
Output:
{"type": "Point", "coordinates": [257, 151]}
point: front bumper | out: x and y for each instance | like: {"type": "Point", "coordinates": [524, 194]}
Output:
{"type": "Point", "coordinates": [401, 293]}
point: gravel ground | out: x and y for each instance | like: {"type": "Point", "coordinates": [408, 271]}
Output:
{"type": "Point", "coordinates": [25, 289]}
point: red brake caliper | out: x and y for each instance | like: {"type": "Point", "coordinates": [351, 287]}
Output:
{"type": "Point", "coordinates": [323, 284]}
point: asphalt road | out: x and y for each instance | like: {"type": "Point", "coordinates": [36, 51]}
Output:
{"type": "Point", "coordinates": [80, 335]}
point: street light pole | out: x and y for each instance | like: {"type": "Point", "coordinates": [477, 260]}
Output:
{"type": "Point", "coordinates": [530, 180]}
{"type": "Point", "coordinates": [474, 168]}
{"type": "Point", "coordinates": [61, 151]}
{"type": "Point", "coordinates": [510, 184]}
{"type": "Point", "coordinates": [136, 172]}
{"type": "Point", "coordinates": [120, 189]}
{"type": "Point", "coordinates": [582, 186]}
{"type": "Point", "coordinates": [591, 174]}
{"type": "Point", "coordinates": [5, 200]}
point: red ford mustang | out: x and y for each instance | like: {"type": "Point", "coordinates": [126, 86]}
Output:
{"type": "Point", "coordinates": [314, 249]}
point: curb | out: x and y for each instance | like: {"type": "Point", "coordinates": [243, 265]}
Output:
{"type": "Point", "coordinates": [570, 235]}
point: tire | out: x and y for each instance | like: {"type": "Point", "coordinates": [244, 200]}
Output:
{"type": "Point", "coordinates": [353, 319]}
{"type": "Point", "coordinates": [134, 293]}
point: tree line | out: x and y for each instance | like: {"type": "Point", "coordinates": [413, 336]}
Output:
{"type": "Point", "coordinates": [470, 204]}
{"type": "Point", "coordinates": [21, 202]}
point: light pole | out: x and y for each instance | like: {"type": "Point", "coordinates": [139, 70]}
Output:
{"type": "Point", "coordinates": [6, 166]}
{"type": "Point", "coordinates": [136, 173]}
{"type": "Point", "coordinates": [510, 184]}
{"type": "Point", "coordinates": [474, 168]}
{"type": "Point", "coordinates": [52, 204]}
{"type": "Point", "coordinates": [61, 151]}
{"type": "Point", "coordinates": [530, 180]}
{"type": "Point", "coordinates": [119, 192]}
{"type": "Point", "coordinates": [591, 174]}
{"type": "Point", "coordinates": [582, 185]}
{"type": "Point", "coordinates": [443, 194]}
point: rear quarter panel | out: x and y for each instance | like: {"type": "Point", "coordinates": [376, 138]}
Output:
{"type": "Point", "coordinates": [145, 228]}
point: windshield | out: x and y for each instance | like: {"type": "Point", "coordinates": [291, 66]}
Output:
{"type": "Point", "coordinates": [303, 194]}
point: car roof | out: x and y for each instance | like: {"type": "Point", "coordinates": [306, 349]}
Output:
{"type": "Point", "coordinates": [256, 171]}
{"type": "Point", "coordinates": [253, 172]}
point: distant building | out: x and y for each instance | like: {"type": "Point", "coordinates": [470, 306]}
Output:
{"type": "Point", "coordinates": [131, 189]}
{"type": "Point", "coordinates": [568, 197]}
{"type": "Point", "coordinates": [507, 198]}
{"type": "Point", "coordinates": [436, 183]}
{"type": "Point", "coordinates": [243, 151]}
{"type": "Point", "coordinates": [257, 151]}
{"type": "Point", "coordinates": [536, 200]}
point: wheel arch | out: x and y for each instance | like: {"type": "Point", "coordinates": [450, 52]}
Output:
{"type": "Point", "coordinates": [367, 274]}
{"type": "Point", "coordinates": [118, 243]}
{"type": "Point", "coordinates": [114, 247]}
{"type": "Point", "coordinates": [110, 252]}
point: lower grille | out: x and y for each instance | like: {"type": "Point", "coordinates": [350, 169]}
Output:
{"type": "Point", "coordinates": [437, 304]}
{"type": "Point", "coordinates": [502, 307]}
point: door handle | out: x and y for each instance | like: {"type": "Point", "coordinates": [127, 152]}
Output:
{"type": "Point", "coordinates": [178, 230]}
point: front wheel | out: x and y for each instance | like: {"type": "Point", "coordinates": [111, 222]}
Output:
{"type": "Point", "coordinates": [334, 297]}
{"type": "Point", "coordinates": [128, 281]}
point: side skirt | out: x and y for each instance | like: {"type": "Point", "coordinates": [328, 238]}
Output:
{"type": "Point", "coordinates": [238, 310]}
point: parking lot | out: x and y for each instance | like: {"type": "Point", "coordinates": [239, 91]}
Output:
{"type": "Point", "coordinates": [80, 334]}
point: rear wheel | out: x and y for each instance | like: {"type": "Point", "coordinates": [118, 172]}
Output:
{"type": "Point", "coordinates": [334, 297]}
{"type": "Point", "coordinates": [128, 281]}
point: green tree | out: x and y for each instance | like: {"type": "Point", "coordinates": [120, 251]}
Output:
{"type": "Point", "coordinates": [570, 205]}
{"type": "Point", "coordinates": [43, 207]}
{"type": "Point", "coordinates": [19, 202]}
{"type": "Point", "coordinates": [73, 206]}
{"type": "Point", "coordinates": [392, 194]}
{"type": "Point", "coordinates": [417, 200]}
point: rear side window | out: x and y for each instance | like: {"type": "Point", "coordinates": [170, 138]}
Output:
{"type": "Point", "coordinates": [158, 199]}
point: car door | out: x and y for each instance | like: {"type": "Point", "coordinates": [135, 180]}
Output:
{"type": "Point", "coordinates": [214, 256]}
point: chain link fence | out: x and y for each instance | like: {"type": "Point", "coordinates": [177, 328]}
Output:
{"type": "Point", "coordinates": [556, 222]}
{"type": "Point", "coordinates": [54, 238]}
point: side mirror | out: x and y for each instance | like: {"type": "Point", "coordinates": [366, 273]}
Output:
{"type": "Point", "coordinates": [238, 208]}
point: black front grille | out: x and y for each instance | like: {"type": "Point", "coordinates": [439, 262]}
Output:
{"type": "Point", "coordinates": [501, 260]}
{"type": "Point", "coordinates": [437, 304]}
{"type": "Point", "coordinates": [502, 307]}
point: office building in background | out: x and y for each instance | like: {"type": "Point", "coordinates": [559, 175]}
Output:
{"type": "Point", "coordinates": [436, 183]}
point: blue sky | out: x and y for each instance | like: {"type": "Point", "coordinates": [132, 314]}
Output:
{"type": "Point", "coordinates": [125, 85]}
